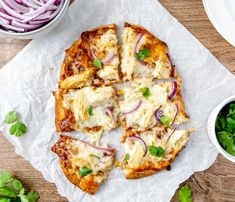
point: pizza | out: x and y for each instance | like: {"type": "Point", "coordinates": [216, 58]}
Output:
{"type": "Point", "coordinates": [92, 60]}
{"type": "Point", "coordinates": [90, 109]}
{"type": "Point", "coordinates": [144, 55]}
{"type": "Point", "coordinates": [149, 151]}
{"type": "Point", "coordinates": [85, 165]}
{"type": "Point", "coordinates": [146, 104]}
{"type": "Point", "coordinates": [98, 93]}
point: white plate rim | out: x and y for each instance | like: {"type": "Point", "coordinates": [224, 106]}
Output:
{"type": "Point", "coordinates": [228, 36]}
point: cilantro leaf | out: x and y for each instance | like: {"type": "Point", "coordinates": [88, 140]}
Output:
{"type": "Point", "coordinates": [11, 117]}
{"type": "Point", "coordinates": [32, 196]}
{"type": "Point", "coordinates": [7, 192]}
{"type": "Point", "coordinates": [141, 55]}
{"type": "Point", "coordinates": [97, 63]}
{"type": "Point", "coordinates": [146, 92]}
{"type": "Point", "coordinates": [165, 120]}
{"type": "Point", "coordinates": [156, 151]}
{"type": "Point", "coordinates": [90, 110]}
{"type": "Point", "coordinates": [16, 185]}
{"type": "Point", "coordinates": [5, 200]}
{"type": "Point", "coordinates": [5, 177]}
{"type": "Point", "coordinates": [18, 129]}
{"type": "Point", "coordinates": [127, 157]}
{"type": "Point", "coordinates": [84, 171]}
{"type": "Point", "coordinates": [185, 194]}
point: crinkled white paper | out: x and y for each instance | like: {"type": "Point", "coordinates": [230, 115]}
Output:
{"type": "Point", "coordinates": [27, 82]}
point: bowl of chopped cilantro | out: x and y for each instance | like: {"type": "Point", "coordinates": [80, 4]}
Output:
{"type": "Point", "coordinates": [221, 128]}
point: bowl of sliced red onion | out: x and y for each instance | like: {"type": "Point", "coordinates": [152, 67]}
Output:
{"type": "Point", "coordinates": [28, 19]}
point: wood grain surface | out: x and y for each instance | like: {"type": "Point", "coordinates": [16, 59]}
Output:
{"type": "Point", "coordinates": [215, 184]}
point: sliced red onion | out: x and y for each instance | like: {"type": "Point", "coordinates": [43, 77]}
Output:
{"type": "Point", "coordinates": [4, 21]}
{"type": "Point", "coordinates": [109, 59]}
{"type": "Point", "coordinates": [137, 43]}
{"type": "Point", "coordinates": [134, 109]}
{"type": "Point", "coordinates": [92, 53]}
{"type": "Point", "coordinates": [172, 74]}
{"type": "Point", "coordinates": [158, 113]}
{"type": "Point", "coordinates": [109, 111]}
{"type": "Point", "coordinates": [136, 138]}
{"type": "Point", "coordinates": [10, 27]}
{"type": "Point", "coordinates": [176, 113]}
{"type": "Point", "coordinates": [10, 11]}
{"type": "Point", "coordinates": [109, 150]}
{"type": "Point", "coordinates": [142, 62]}
{"type": "Point", "coordinates": [169, 137]}
{"type": "Point", "coordinates": [173, 92]}
{"type": "Point", "coordinates": [14, 5]}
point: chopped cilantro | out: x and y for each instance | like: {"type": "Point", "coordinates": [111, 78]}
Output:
{"type": "Point", "coordinates": [141, 55]}
{"type": "Point", "coordinates": [165, 120]}
{"type": "Point", "coordinates": [90, 110]}
{"type": "Point", "coordinates": [97, 63]}
{"type": "Point", "coordinates": [84, 171]}
{"type": "Point", "coordinates": [146, 92]}
{"type": "Point", "coordinates": [156, 151]}
{"type": "Point", "coordinates": [185, 194]}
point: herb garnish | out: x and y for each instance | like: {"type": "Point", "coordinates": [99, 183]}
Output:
{"type": "Point", "coordinates": [90, 110]}
{"type": "Point", "coordinates": [225, 128]}
{"type": "Point", "coordinates": [97, 63]}
{"type": "Point", "coordinates": [11, 189]}
{"type": "Point", "coordinates": [141, 55]}
{"type": "Point", "coordinates": [93, 155]}
{"type": "Point", "coordinates": [146, 92]}
{"type": "Point", "coordinates": [18, 128]}
{"type": "Point", "coordinates": [165, 120]}
{"type": "Point", "coordinates": [127, 157]}
{"type": "Point", "coordinates": [185, 194]}
{"type": "Point", "coordinates": [84, 171]}
{"type": "Point", "coordinates": [156, 151]}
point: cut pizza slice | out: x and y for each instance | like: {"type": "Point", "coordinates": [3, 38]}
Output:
{"type": "Point", "coordinates": [146, 105]}
{"type": "Point", "coordinates": [144, 55]}
{"type": "Point", "coordinates": [149, 151]}
{"type": "Point", "coordinates": [85, 165]}
{"type": "Point", "coordinates": [91, 110]}
{"type": "Point", "coordinates": [92, 60]}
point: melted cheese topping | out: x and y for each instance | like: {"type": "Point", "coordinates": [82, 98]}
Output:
{"type": "Point", "coordinates": [101, 99]}
{"type": "Point", "coordinates": [136, 151]}
{"type": "Point", "coordinates": [106, 48]}
{"type": "Point", "coordinates": [89, 157]}
{"type": "Point", "coordinates": [144, 116]}
{"type": "Point", "coordinates": [131, 67]}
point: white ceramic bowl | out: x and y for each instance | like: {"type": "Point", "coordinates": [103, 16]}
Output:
{"type": "Point", "coordinates": [211, 128]}
{"type": "Point", "coordinates": [40, 31]}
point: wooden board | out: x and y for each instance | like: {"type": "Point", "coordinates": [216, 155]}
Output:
{"type": "Point", "coordinates": [214, 184]}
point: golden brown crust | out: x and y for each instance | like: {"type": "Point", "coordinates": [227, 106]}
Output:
{"type": "Point", "coordinates": [78, 61]}
{"type": "Point", "coordinates": [64, 119]}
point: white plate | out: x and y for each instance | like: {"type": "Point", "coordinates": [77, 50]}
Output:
{"type": "Point", "coordinates": [222, 15]}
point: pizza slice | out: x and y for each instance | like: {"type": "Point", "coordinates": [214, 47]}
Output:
{"type": "Point", "coordinates": [149, 151]}
{"type": "Point", "coordinates": [144, 55]}
{"type": "Point", "coordinates": [92, 60]}
{"type": "Point", "coordinates": [91, 110]}
{"type": "Point", "coordinates": [146, 105]}
{"type": "Point", "coordinates": [85, 165]}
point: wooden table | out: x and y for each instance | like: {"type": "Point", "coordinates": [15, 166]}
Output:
{"type": "Point", "coordinates": [214, 184]}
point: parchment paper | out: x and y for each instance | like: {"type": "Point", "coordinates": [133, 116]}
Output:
{"type": "Point", "coordinates": [27, 82]}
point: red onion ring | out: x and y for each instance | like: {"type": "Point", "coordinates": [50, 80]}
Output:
{"type": "Point", "coordinates": [109, 59]}
{"type": "Point", "coordinates": [134, 109]}
{"type": "Point", "coordinates": [172, 74]}
{"type": "Point", "coordinates": [169, 137]}
{"type": "Point", "coordinates": [137, 43]}
{"type": "Point", "coordinates": [176, 113]}
{"type": "Point", "coordinates": [136, 138]}
{"type": "Point", "coordinates": [109, 110]}
{"type": "Point", "coordinates": [173, 92]}
{"type": "Point", "coordinates": [158, 113]}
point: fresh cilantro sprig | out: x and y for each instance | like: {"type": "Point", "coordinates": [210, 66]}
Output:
{"type": "Point", "coordinates": [12, 190]}
{"type": "Point", "coordinates": [185, 194]}
{"type": "Point", "coordinates": [225, 128]}
{"type": "Point", "coordinates": [141, 55]}
{"type": "Point", "coordinates": [97, 63]}
{"type": "Point", "coordinates": [85, 171]}
{"type": "Point", "coordinates": [165, 120]}
{"type": "Point", "coordinates": [17, 128]}
{"type": "Point", "coordinates": [146, 92]}
{"type": "Point", "coordinates": [90, 110]}
{"type": "Point", "coordinates": [156, 151]}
